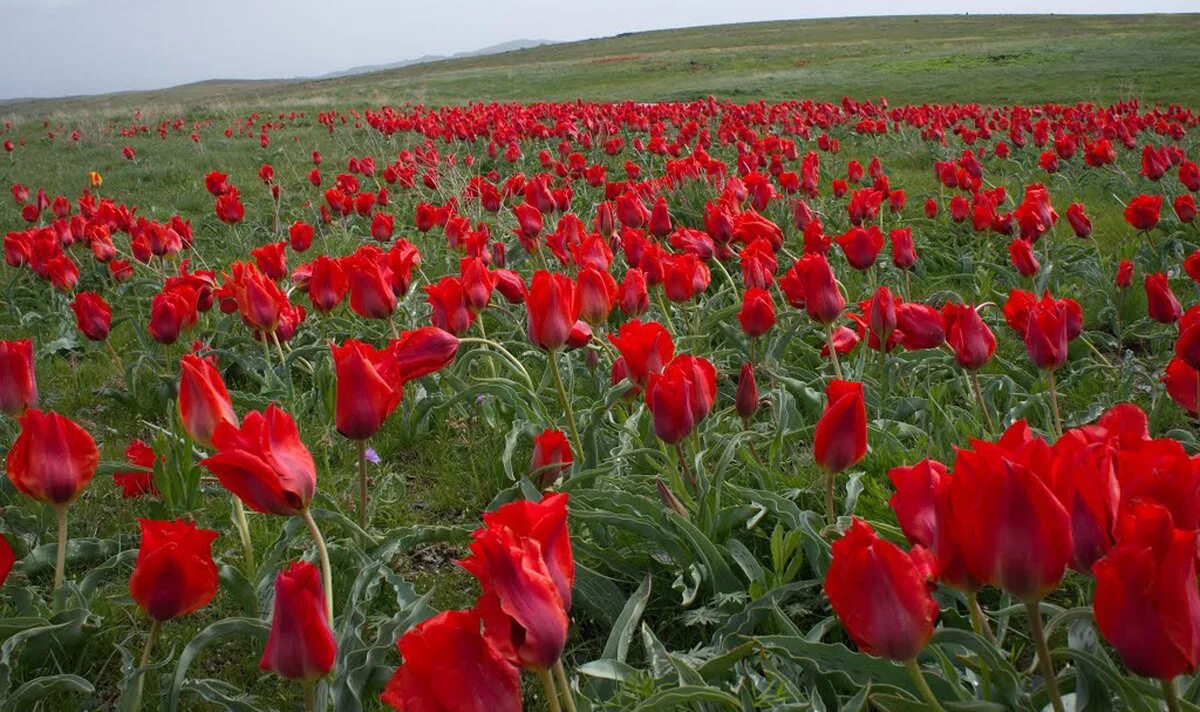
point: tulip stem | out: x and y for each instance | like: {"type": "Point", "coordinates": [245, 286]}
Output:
{"type": "Point", "coordinates": [60, 561]}
{"type": "Point", "coordinates": [568, 700]}
{"type": "Point", "coordinates": [918, 679]}
{"type": "Point", "coordinates": [987, 414]}
{"type": "Point", "coordinates": [1051, 385]}
{"type": "Point", "coordinates": [830, 514]}
{"type": "Point", "coordinates": [837, 365]}
{"type": "Point", "coordinates": [266, 348]}
{"type": "Point", "coordinates": [979, 620]}
{"type": "Point", "coordinates": [323, 555]}
{"type": "Point", "coordinates": [552, 357]}
{"type": "Point", "coordinates": [243, 527]}
{"type": "Point", "coordinates": [1043, 652]}
{"type": "Point", "coordinates": [507, 354]}
{"type": "Point", "coordinates": [147, 649]}
{"type": "Point", "coordinates": [310, 696]}
{"type": "Point", "coordinates": [687, 471]}
{"type": "Point", "coordinates": [548, 686]}
{"type": "Point", "coordinates": [362, 484]}
{"type": "Point", "coordinates": [1171, 695]}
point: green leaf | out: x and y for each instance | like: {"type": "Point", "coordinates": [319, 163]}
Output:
{"type": "Point", "coordinates": [617, 647]}
{"type": "Point", "coordinates": [679, 697]}
{"type": "Point", "coordinates": [227, 628]}
{"type": "Point", "coordinates": [39, 688]}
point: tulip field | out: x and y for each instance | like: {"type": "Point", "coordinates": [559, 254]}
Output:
{"type": "Point", "coordinates": [709, 404]}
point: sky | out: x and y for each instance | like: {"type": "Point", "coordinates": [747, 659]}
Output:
{"type": "Point", "coordinates": [66, 47]}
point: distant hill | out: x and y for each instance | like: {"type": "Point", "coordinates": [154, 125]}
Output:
{"type": "Point", "coordinates": [511, 46]}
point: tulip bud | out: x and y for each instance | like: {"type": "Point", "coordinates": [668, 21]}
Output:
{"type": "Point", "coordinates": [301, 645]}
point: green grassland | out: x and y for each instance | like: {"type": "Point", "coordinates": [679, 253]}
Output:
{"type": "Point", "coordinates": [448, 474]}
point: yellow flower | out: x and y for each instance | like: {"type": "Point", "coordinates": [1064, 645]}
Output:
{"type": "Point", "coordinates": [95, 179]}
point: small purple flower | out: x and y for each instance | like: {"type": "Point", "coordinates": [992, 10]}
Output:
{"type": "Point", "coordinates": [372, 456]}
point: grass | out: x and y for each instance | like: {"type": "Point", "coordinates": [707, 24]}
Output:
{"type": "Point", "coordinates": [447, 475]}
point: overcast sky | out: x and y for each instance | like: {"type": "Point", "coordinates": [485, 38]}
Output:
{"type": "Point", "coordinates": [60, 47]}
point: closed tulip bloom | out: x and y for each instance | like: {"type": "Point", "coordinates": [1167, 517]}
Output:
{"type": "Point", "coordinates": [915, 500]}
{"type": "Point", "coordinates": [861, 246]}
{"type": "Point", "coordinates": [1013, 531]}
{"type": "Point", "coordinates": [18, 380]}
{"type": "Point", "coordinates": [523, 612]}
{"type": "Point", "coordinates": [300, 236]}
{"type": "Point", "coordinates": [757, 314]}
{"type": "Point", "coordinates": [1080, 223]}
{"type": "Point", "coordinates": [1180, 380]}
{"type": "Point", "coordinates": [881, 313]}
{"type": "Point", "coordinates": [477, 283]}
{"type": "Point", "coordinates": [1146, 603]}
{"type": "Point", "coordinates": [1185, 208]}
{"type": "Point", "coordinates": [1124, 274]}
{"type": "Point", "coordinates": [660, 218]}
{"type": "Point", "coordinates": [551, 457]}
{"type": "Point", "coordinates": [369, 388]}
{"type": "Point", "coordinates": [904, 253]}
{"type": "Point", "coordinates": [204, 402]}
{"type": "Point", "coordinates": [684, 275]}
{"type": "Point", "coordinates": [632, 294]}
{"type": "Point", "coordinates": [597, 295]}
{"type": "Point", "coordinates": [1142, 212]}
{"type": "Point", "coordinates": [1161, 303]}
{"type": "Point", "coordinates": [301, 645]}
{"type": "Point", "coordinates": [646, 348]}
{"type": "Point", "coordinates": [422, 351]}
{"type": "Point", "coordinates": [552, 307]}
{"type": "Point", "coordinates": [510, 285]}
{"type": "Point", "coordinates": [681, 396]}
{"type": "Point", "coordinates": [971, 339]}
{"type": "Point", "coordinates": [1085, 481]}
{"type": "Point", "coordinates": [92, 315]}
{"type": "Point", "coordinates": [264, 463]}
{"type": "Point", "coordinates": [271, 260]}
{"type": "Point", "coordinates": [919, 326]}
{"type": "Point", "coordinates": [1187, 345]}
{"type": "Point", "coordinates": [327, 284]}
{"type": "Point", "coordinates": [879, 594]}
{"type": "Point", "coordinates": [449, 666]}
{"type": "Point", "coordinates": [174, 573]}
{"type": "Point", "coordinates": [371, 294]}
{"type": "Point", "coordinates": [1046, 335]}
{"type": "Point", "coordinates": [1020, 252]}
{"type": "Point", "coordinates": [746, 401]}
{"type": "Point", "coordinates": [449, 302]}
{"type": "Point", "coordinates": [822, 299]}
{"type": "Point", "coordinates": [53, 458]}
{"type": "Point", "coordinates": [171, 311]}
{"type": "Point", "coordinates": [136, 484]}
{"type": "Point", "coordinates": [840, 439]}
{"type": "Point", "coordinates": [7, 559]}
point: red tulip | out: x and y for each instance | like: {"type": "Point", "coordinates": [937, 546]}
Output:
{"type": "Point", "coordinates": [383, 226]}
{"type": "Point", "coordinates": [1020, 252]}
{"type": "Point", "coordinates": [422, 351]}
{"type": "Point", "coordinates": [1046, 334]}
{"type": "Point", "coordinates": [18, 380]}
{"type": "Point", "coordinates": [552, 306]}
{"type": "Point", "coordinates": [301, 645]}
{"type": "Point", "coordinates": [919, 326]}
{"type": "Point", "coordinates": [327, 284]}
{"type": "Point", "coordinates": [172, 311]}
{"type": "Point", "coordinates": [861, 246]}
{"type": "Point", "coordinates": [136, 484]}
{"type": "Point", "coordinates": [684, 276]}
{"type": "Point", "coordinates": [746, 401]}
{"type": "Point", "coordinates": [449, 666]}
{"type": "Point", "coordinates": [174, 573]}
{"type": "Point", "coordinates": [1185, 208]}
{"type": "Point", "coordinates": [660, 219]}
{"type": "Point", "coordinates": [371, 293]}
{"type": "Point", "coordinates": [971, 339]}
{"type": "Point", "coordinates": [369, 388]}
{"type": "Point", "coordinates": [53, 458]}
{"type": "Point", "coordinates": [1187, 345]}
{"type": "Point", "coordinates": [477, 283]}
{"type": "Point", "coordinates": [546, 522]}
{"type": "Point", "coordinates": [1181, 382]}
{"type": "Point", "coordinates": [1161, 303]}
{"type": "Point", "coordinates": [840, 439]}
{"type": "Point", "coordinates": [551, 457]}
{"type": "Point", "coordinates": [449, 304]}
{"type": "Point", "coordinates": [1146, 603]}
{"type": "Point", "coordinates": [757, 314]}
{"type": "Point", "coordinates": [229, 207]}
{"type": "Point", "coordinates": [597, 295]}
{"type": "Point", "coordinates": [1079, 220]}
{"type": "Point", "coordinates": [7, 559]}
{"type": "Point", "coordinates": [879, 594]}
{"type": "Point", "coordinates": [523, 612]}
{"type": "Point", "coordinates": [822, 299]}
{"type": "Point", "coordinates": [204, 402]}
{"type": "Point", "coordinates": [646, 348]}
{"type": "Point", "coordinates": [632, 295]}
{"type": "Point", "coordinates": [92, 315]}
{"type": "Point", "coordinates": [1013, 532]}
{"type": "Point", "coordinates": [1124, 274]}
{"type": "Point", "coordinates": [264, 463]}
{"type": "Point", "coordinates": [904, 253]}
{"type": "Point", "coordinates": [681, 396]}
{"type": "Point", "coordinates": [881, 312]}
{"type": "Point", "coordinates": [300, 236]}
{"type": "Point", "coordinates": [1142, 212]}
